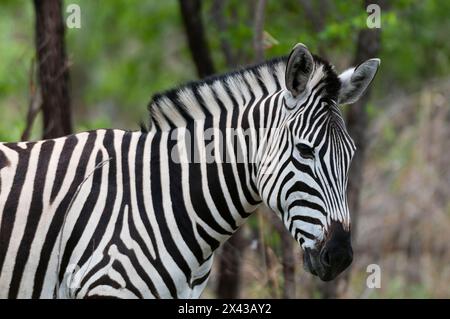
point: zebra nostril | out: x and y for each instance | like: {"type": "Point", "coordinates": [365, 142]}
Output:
{"type": "Point", "coordinates": [325, 258]}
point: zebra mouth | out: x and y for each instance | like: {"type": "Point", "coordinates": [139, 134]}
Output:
{"type": "Point", "coordinates": [307, 262]}
{"type": "Point", "coordinates": [316, 263]}
{"type": "Point", "coordinates": [312, 263]}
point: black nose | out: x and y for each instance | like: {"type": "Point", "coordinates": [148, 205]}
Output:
{"type": "Point", "coordinates": [337, 253]}
{"type": "Point", "coordinates": [337, 259]}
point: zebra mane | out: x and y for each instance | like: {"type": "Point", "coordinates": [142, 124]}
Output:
{"type": "Point", "coordinates": [175, 107]}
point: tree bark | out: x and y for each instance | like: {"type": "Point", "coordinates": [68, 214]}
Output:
{"type": "Point", "coordinates": [287, 255]}
{"type": "Point", "coordinates": [230, 260]}
{"type": "Point", "coordinates": [218, 13]}
{"type": "Point", "coordinates": [34, 103]}
{"type": "Point", "coordinates": [288, 264]}
{"type": "Point", "coordinates": [317, 16]}
{"type": "Point", "coordinates": [230, 266]}
{"type": "Point", "coordinates": [193, 24]}
{"type": "Point", "coordinates": [258, 33]}
{"type": "Point", "coordinates": [53, 68]}
{"type": "Point", "coordinates": [367, 46]}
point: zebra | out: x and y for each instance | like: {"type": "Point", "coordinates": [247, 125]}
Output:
{"type": "Point", "coordinates": [112, 213]}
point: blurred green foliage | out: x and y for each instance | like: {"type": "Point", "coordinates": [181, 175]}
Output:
{"type": "Point", "coordinates": [126, 51]}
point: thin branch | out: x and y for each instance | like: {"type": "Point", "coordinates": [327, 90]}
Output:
{"type": "Point", "coordinates": [218, 14]}
{"type": "Point", "coordinates": [258, 27]}
{"type": "Point", "coordinates": [317, 18]}
{"type": "Point", "coordinates": [34, 103]}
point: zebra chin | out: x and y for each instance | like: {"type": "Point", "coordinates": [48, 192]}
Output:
{"type": "Point", "coordinates": [332, 257]}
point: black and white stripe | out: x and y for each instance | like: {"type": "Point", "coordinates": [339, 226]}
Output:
{"type": "Point", "coordinates": [109, 213]}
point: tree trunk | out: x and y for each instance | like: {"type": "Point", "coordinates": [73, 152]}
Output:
{"type": "Point", "coordinates": [288, 264]}
{"type": "Point", "coordinates": [192, 19]}
{"type": "Point", "coordinates": [230, 260]}
{"type": "Point", "coordinates": [368, 46]}
{"type": "Point", "coordinates": [258, 30]}
{"type": "Point", "coordinates": [230, 266]}
{"type": "Point", "coordinates": [53, 68]}
{"type": "Point", "coordinates": [317, 13]}
{"type": "Point", "coordinates": [287, 254]}
{"type": "Point", "coordinates": [217, 16]}
{"type": "Point", "coordinates": [287, 241]}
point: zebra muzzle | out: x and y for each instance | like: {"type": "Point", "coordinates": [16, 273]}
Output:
{"type": "Point", "coordinates": [333, 257]}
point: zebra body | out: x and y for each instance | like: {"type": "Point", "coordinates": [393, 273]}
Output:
{"type": "Point", "coordinates": [100, 188]}
{"type": "Point", "coordinates": [111, 213]}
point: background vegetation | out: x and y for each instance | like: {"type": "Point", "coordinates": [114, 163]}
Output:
{"type": "Point", "coordinates": [127, 50]}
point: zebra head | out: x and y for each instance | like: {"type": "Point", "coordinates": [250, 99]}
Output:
{"type": "Point", "coordinates": [313, 151]}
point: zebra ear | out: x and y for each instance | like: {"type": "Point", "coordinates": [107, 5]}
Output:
{"type": "Point", "coordinates": [299, 68]}
{"type": "Point", "coordinates": [355, 81]}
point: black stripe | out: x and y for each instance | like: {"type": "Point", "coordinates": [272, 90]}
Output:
{"type": "Point", "coordinates": [139, 173]}
{"type": "Point", "coordinates": [10, 208]}
{"type": "Point", "coordinates": [94, 269]}
{"type": "Point", "coordinates": [306, 219]}
{"type": "Point", "coordinates": [212, 172]}
{"type": "Point", "coordinates": [105, 280]}
{"type": "Point", "coordinates": [299, 186]}
{"type": "Point", "coordinates": [34, 215]}
{"type": "Point", "coordinates": [213, 243]}
{"type": "Point", "coordinates": [200, 280]}
{"type": "Point", "coordinates": [156, 177]}
{"type": "Point", "coordinates": [304, 234]}
{"type": "Point", "coordinates": [64, 159]}
{"type": "Point", "coordinates": [306, 203]}
{"type": "Point", "coordinates": [84, 216]}
{"type": "Point", "coordinates": [117, 266]}
{"type": "Point", "coordinates": [227, 170]}
{"type": "Point", "coordinates": [195, 186]}
{"type": "Point", "coordinates": [178, 206]}
{"type": "Point", "coordinates": [58, 218]}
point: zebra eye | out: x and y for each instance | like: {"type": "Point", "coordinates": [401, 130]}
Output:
{"type": "Point", "coordinates": [305, 150]}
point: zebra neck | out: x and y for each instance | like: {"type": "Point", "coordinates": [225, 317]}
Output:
{"type": "Point", "coordinates": [212, 133]}
{"type": "Point", "coordinates": [210, 171]}
{"type": "Point", "coordinates": [206, 179]}
{"type": "Point", "coordinates": [216, 97]}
